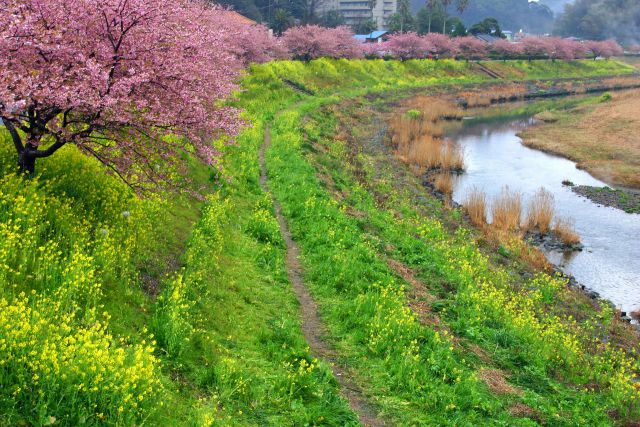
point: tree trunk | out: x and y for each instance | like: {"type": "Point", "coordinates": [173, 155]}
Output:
{"type": "Point", "coordinates": [429, 30]}
{"type": "Point", "coordinates": [27, 159]}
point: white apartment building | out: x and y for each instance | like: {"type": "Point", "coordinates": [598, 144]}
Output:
{"type": "Point", "coordinates": [356, 11]}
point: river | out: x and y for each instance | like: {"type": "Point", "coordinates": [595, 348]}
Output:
{"type": "Point", "coordinates": [495, 157]}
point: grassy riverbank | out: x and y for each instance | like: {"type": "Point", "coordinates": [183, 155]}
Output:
{"type": "Point", "coordinates": [117, 310]}
{"type": "Point", "coordinates": [602, 137]}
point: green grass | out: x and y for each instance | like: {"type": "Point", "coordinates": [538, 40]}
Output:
{"type": "Point", "coordinates": [491, 316]}
{"type": "Point", "coordinates": [542, 69]}
{"type": "Point", "coordinates": [183, 308]}
{"type": "Point", "coordinates": [414, 374]}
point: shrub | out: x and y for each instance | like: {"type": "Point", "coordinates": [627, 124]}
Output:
{"type": "Point", "coordinates": [414, 114]}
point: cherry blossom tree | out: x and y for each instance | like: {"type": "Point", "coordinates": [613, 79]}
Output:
{"type": "Point", "coordinates": [312, 41]}
{"type": "Point", "coordinates": [534, 47]}
{"type": "Point", "coordinates": [441, 46]}
{"type": "Point", "coordinates": [578, 49]}
{"type": "Point", "coordinates": [253, 43]}
{"type": "Point", "coordinates": [374, 50]}
{"type": "Point", "coordinates": [346, 46]}
{"type": "Point", "coordinates": [408, 46]}
{"type": "Point", "coordinates": [471, 48]}
{"type": "Point", "coordinates": [133, 83]}
{"type": "Point", "coordinates": [605, 49]}
{"type": "Point", "coordinates": [506, 49]}
{"type": "Point", "coordinates": [559, 48]}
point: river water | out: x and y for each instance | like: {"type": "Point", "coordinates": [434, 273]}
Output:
{"type": "Point", "coordinates": [495, 157]}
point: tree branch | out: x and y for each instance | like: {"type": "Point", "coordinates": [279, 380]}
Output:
{"type": "Point", "coordinates": [49, 151]}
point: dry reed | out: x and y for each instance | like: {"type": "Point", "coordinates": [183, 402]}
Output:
{"type": "Point", "coordinates": [424, 152]}
{"type": "Point", "coordinates": [565, 230]}
{"type": "Point", "coordinates": [434, 109]}
{"type": "Point", "coordinates": [417, 136]}
{"type": "Point", "coordinates": [476, 205]}
{"type": "Point", "coordinates": [451, 158]}
{"type": "Point", "coordinates": [443, 182]}
{"type": "Point", "coordinates": [540, 214]}
{"type": "Point", "coordinates": [507, 210]}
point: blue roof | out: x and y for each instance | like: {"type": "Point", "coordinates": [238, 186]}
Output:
{"type": "Point", "coordinates": [377, 34]}
{"type": "Point", "coordinates": [370, 36]}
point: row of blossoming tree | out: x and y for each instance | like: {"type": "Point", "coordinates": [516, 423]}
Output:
{"type": "Point", "coordinates": [137, 83]}
{"type": "Point", "coordinates": [312, 42]}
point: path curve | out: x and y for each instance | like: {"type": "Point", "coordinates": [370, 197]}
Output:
{"type": "Point", "coordinates": [312, 327]}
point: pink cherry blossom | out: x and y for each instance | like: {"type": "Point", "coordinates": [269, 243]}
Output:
{"type": "Point", "coordinates": [471, 48]}
{"type": "Point", "coordinates": [132, 83]}
{"type": "Point", "coordinates": [253, 43]}
{"type": "Point", "coordinates": [408, 46]}
{"type": "Point", "coordinates": [605, 49]}
{"type": "Point", "coordinates": [535, 47]}
{"type": "Point", "coordinates": [312, 41]}
{"type": "Point", "coordinates": [441, 46]}
{"type": "Point", "coordinates": [506, 49]}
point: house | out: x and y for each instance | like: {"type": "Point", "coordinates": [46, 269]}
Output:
{"type": "Point", "coordinates": [487, 38]}
{"type": "Point", "coordinates": [232, 15]}
{"type": "Point", "coordinates": [372, 37]}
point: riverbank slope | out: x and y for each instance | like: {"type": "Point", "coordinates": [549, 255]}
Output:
{"type": "Point", "coordinates": [189, 309]}
{"type": "Point", "coordinates": [602, 137]}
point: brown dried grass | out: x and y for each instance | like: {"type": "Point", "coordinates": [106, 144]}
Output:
{"type": "Point", "coordinates": [418, 138]}
{"type": "Point", "coordinates": [487, 96]}
{"type": "Point", "coordinates": [475, 204]}
{"type": "Point", "coordinates": [424, 152]}
{"type": "Point", "coordinates": [507, 210]}
{"type": "Point", "coordinates": [443, 182]}
{"type": "Point", "coordinates": [540, 213]}
{"type": "Point", "coordinates": [434, 109]}
{"type": "Point", "coordinates": [602, 138]}
{"type": "Point", "coordinates": [523, 411]}
{"type": "Point", "coordinates": [565, 230]}
{"type": "Point", "coordinates": [495, 380]}
{"type": "Point", "coordinates": [451, 157]}
{"type": "Point", "coordinates": [427, 152]}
